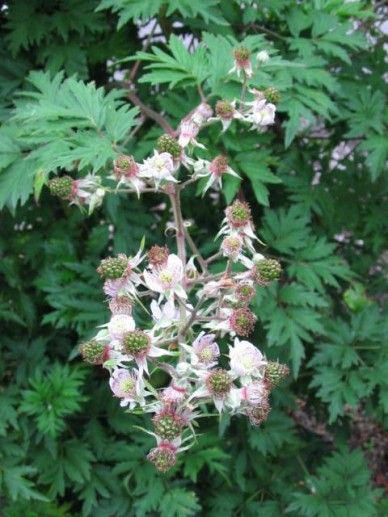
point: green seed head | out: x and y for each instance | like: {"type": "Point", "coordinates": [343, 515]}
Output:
{"type": "Point", "coordinates": [168, 144]}
{"type": "Point", "coordinates": [275, 373]}
{"type": "Point", "coordinates": [168, 425]}
{"type": "Point", "coordinates": [241, 54]}
{"type": "Point", "coordinates": [224, 109]}
{"type": "Point", "coordinates": [112, 267]}
{"type": "Point", "coordinates": [61, 187]}
{"type": "Point", "coordinates": [92, 352]}
{"type": "Point", "coordinates": [268, 269]}
{"type": "Point", "coordinates": [238, 214]}
{"type": "Point", "coordinates": [163, 457]}
{"type": "Point", "coordinates": [258, 414]}
{"type": "Point", "coordinates": [219, 382]}
{"type": "Point", "coordinates": [136, 343]}
{"type": "Point", "coordinates": [272, 95]}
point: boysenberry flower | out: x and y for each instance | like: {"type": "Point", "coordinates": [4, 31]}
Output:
{"type": "Point", "coordinates": [232, 246]}
{"type": "Point", "coordinates": [225, 113]}
{"type": "Point", "coordinates": [254, 393]}
{"type": "Point", "coordinates": [217, 385]}
{"type": "Point", "coordinates": [167, 279]}
{"type": "Point", "coordinates": [242, 61]}
{"type": "Point", "coordinates": [238, 214]}
{"type": "Point", "coordinates": [204, 352]}
{"type": "Point", "coordinates": [126, 171]}
{"type": "Point", "coordinates": [214, 169]}
{"type": "Point", "coordinates": [242, 321]}
{"type": "Point", "coordinates": [138, 345]}
{"type": "Point", "coordinates": [261, 113]}
{"type": "Point", "coordinates": [128, 386]}
{"type": "Point", "coordinates": [160, 167]}
{"type": "Point", "coordinates": [246, 360]}
{"type": "Point", "coordinates": [163, 456]}
{"type": "Point", "coordinates": [245, 293]}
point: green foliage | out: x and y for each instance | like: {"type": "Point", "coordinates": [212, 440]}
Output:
{"type": "Point", "coordinates": [315, 183]}
{"type": "Point", "coordinates": [341, 487]}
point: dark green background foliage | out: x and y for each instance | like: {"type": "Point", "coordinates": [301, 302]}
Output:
{"type": "Point", "coordinates": [66, 447]}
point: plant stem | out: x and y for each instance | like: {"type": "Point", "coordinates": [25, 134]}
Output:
{"type": "Point", "coordinates": [195, 250]}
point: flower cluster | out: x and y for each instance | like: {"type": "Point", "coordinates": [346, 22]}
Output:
{"type": "Point", "coordinates": [200, 329]}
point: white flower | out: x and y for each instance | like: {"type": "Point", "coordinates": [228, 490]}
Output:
{"type": "Point", "coordinates": [232, 246]}
{"type": "Point", "coordinates": [261, 113]}
{"type": "Point", "coordinates": [159, 167]}
{"type": "Point", "coordinates": [245, 359]}
{"type": "Point", "coordinates": [128, 386]}
{"type": "Point", "coordinates": [254, 393]}
{"type": "Point", "coordinates": [167, 279]}
{"type": "Point", "coordinates": [262, 56]}
{"type": "Point", "coordinates": [119, 325]}
{"type": "Point", "coordinates": [204, 351]}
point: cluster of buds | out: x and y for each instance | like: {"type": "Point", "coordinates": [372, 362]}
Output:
{"type": "Point", "coordinates": [200, 329]}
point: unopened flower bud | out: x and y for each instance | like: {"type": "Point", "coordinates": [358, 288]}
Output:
{"type": "Point", "coordinates": [158, 255]}
{"type": "Point", "coordinates": [136, 343]}
{"type": "Point", "coordinates": [242, 321]}
{"type": "Point", "coordinates": [238, 214]}
{"type": "Point", "coordinates": [168, 144]}
{"type": "Point", "coordinates": [93, 352]}
{"type": "Point", "coordinates": [268, 269]}
{"type": "Point", "coordinates": [61, 187]}
{"type": "Point", "coordinates": [272, 95]}
{"type": "Point", "coordinates": [112, 267]}
{"type": "Point", "coordinates": [262, 56]}
{"type": "Point", "coordinates": [275, 373]}
{"type": "Point", "coordinates": [224, 110]}
{"type": "Point", "coordinates": [219, 165]}
{"type": "Point", "coordinates": [125, 166]}
{"type": "Point", "coordinates": [219, 382]}
{"type": "Point", "coordinates": [163, 456]}
{"type": "Point", "coordinates": [168, 424]}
